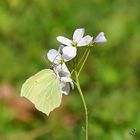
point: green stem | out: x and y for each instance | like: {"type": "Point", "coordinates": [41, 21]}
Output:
{"type": "Point", "coordinates": [87, 54]}
{"type": "Point", "coordinates": [81, 60]}
{"type": "Point", "coordinates": [84, 104]}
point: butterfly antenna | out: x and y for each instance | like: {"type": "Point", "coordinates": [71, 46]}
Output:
{"type": "Point", "coordinates": [55, 59]}
{"type": "Point", "coordinates": [45, 57]}
{"type": "Point", "coordinates": [52, 66]}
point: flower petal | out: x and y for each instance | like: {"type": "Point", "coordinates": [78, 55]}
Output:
{"type": "Point", "coordinates": [65, 88]}
{"type": "Point", "coordinates": [85, 41]}
{"type": "Point", "coordinates": [64, 40]}
{"type": "Point", "coordinates": [65, 84]}
{"type": "Point", "coordinates": [66, 79]}
{"type": "Point", "coordinates": [65, 70]}
{"type": "Point", "coordinates": [54, 56]}
{"type": "Point", "coordinates": [69, 53]}
{"type": "Point", "coordinates": [62, 70]}
{"type": "Point", "coordinates": [60, 48]}
{"type": "Point", "coordinates": [100, 38]}
{"type": "Point", "coordinates": [78, 34]}
{"type": "Point", "coordinates": [72, 85]}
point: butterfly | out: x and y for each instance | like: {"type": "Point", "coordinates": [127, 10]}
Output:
{"type": "Point", "coordinates": [43, 90]}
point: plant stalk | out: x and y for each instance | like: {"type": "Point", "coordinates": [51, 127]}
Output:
{"type": "Point", "coordinates": [86, 56]}
{"type": "Point", "coordinates": [84, 104]}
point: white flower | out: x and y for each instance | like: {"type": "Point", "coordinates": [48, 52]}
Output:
{"type": "Point", "coordinates": [69, 53]}
{"type": "Point", "coordinates": [100, 38]}
{"type": "Point", "coordinates": [63, 54]}
{"type": "Point", "coordinates": [54, 56]}
{"type": "Point", "coordinates": [59, 66]}
{"type": "Point", "coordinates": [78, 39]}
{"type": "Point", "coordinates": [65, 78]}
{"type": "Point", "coordinates": [58, 60]}
{"type": "Point", "coordinates": [61, 69]}
{"type": "Point", "coordinates": [86, 40]}
{"type": "Point", "coordinates": [66, 84]}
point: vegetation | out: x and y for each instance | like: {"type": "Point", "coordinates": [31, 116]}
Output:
{"type": "Point", "coordinates": [110, 80]}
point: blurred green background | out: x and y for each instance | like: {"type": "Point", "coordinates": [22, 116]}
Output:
{"type": "Point", "coordinates": [110, 79]}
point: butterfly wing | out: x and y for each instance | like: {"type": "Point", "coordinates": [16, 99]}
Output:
{"type": "Point", "coordinates": [43, 90]}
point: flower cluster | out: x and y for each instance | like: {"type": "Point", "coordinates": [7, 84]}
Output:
{"type": "Point", "coordinates": [66, 52]}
